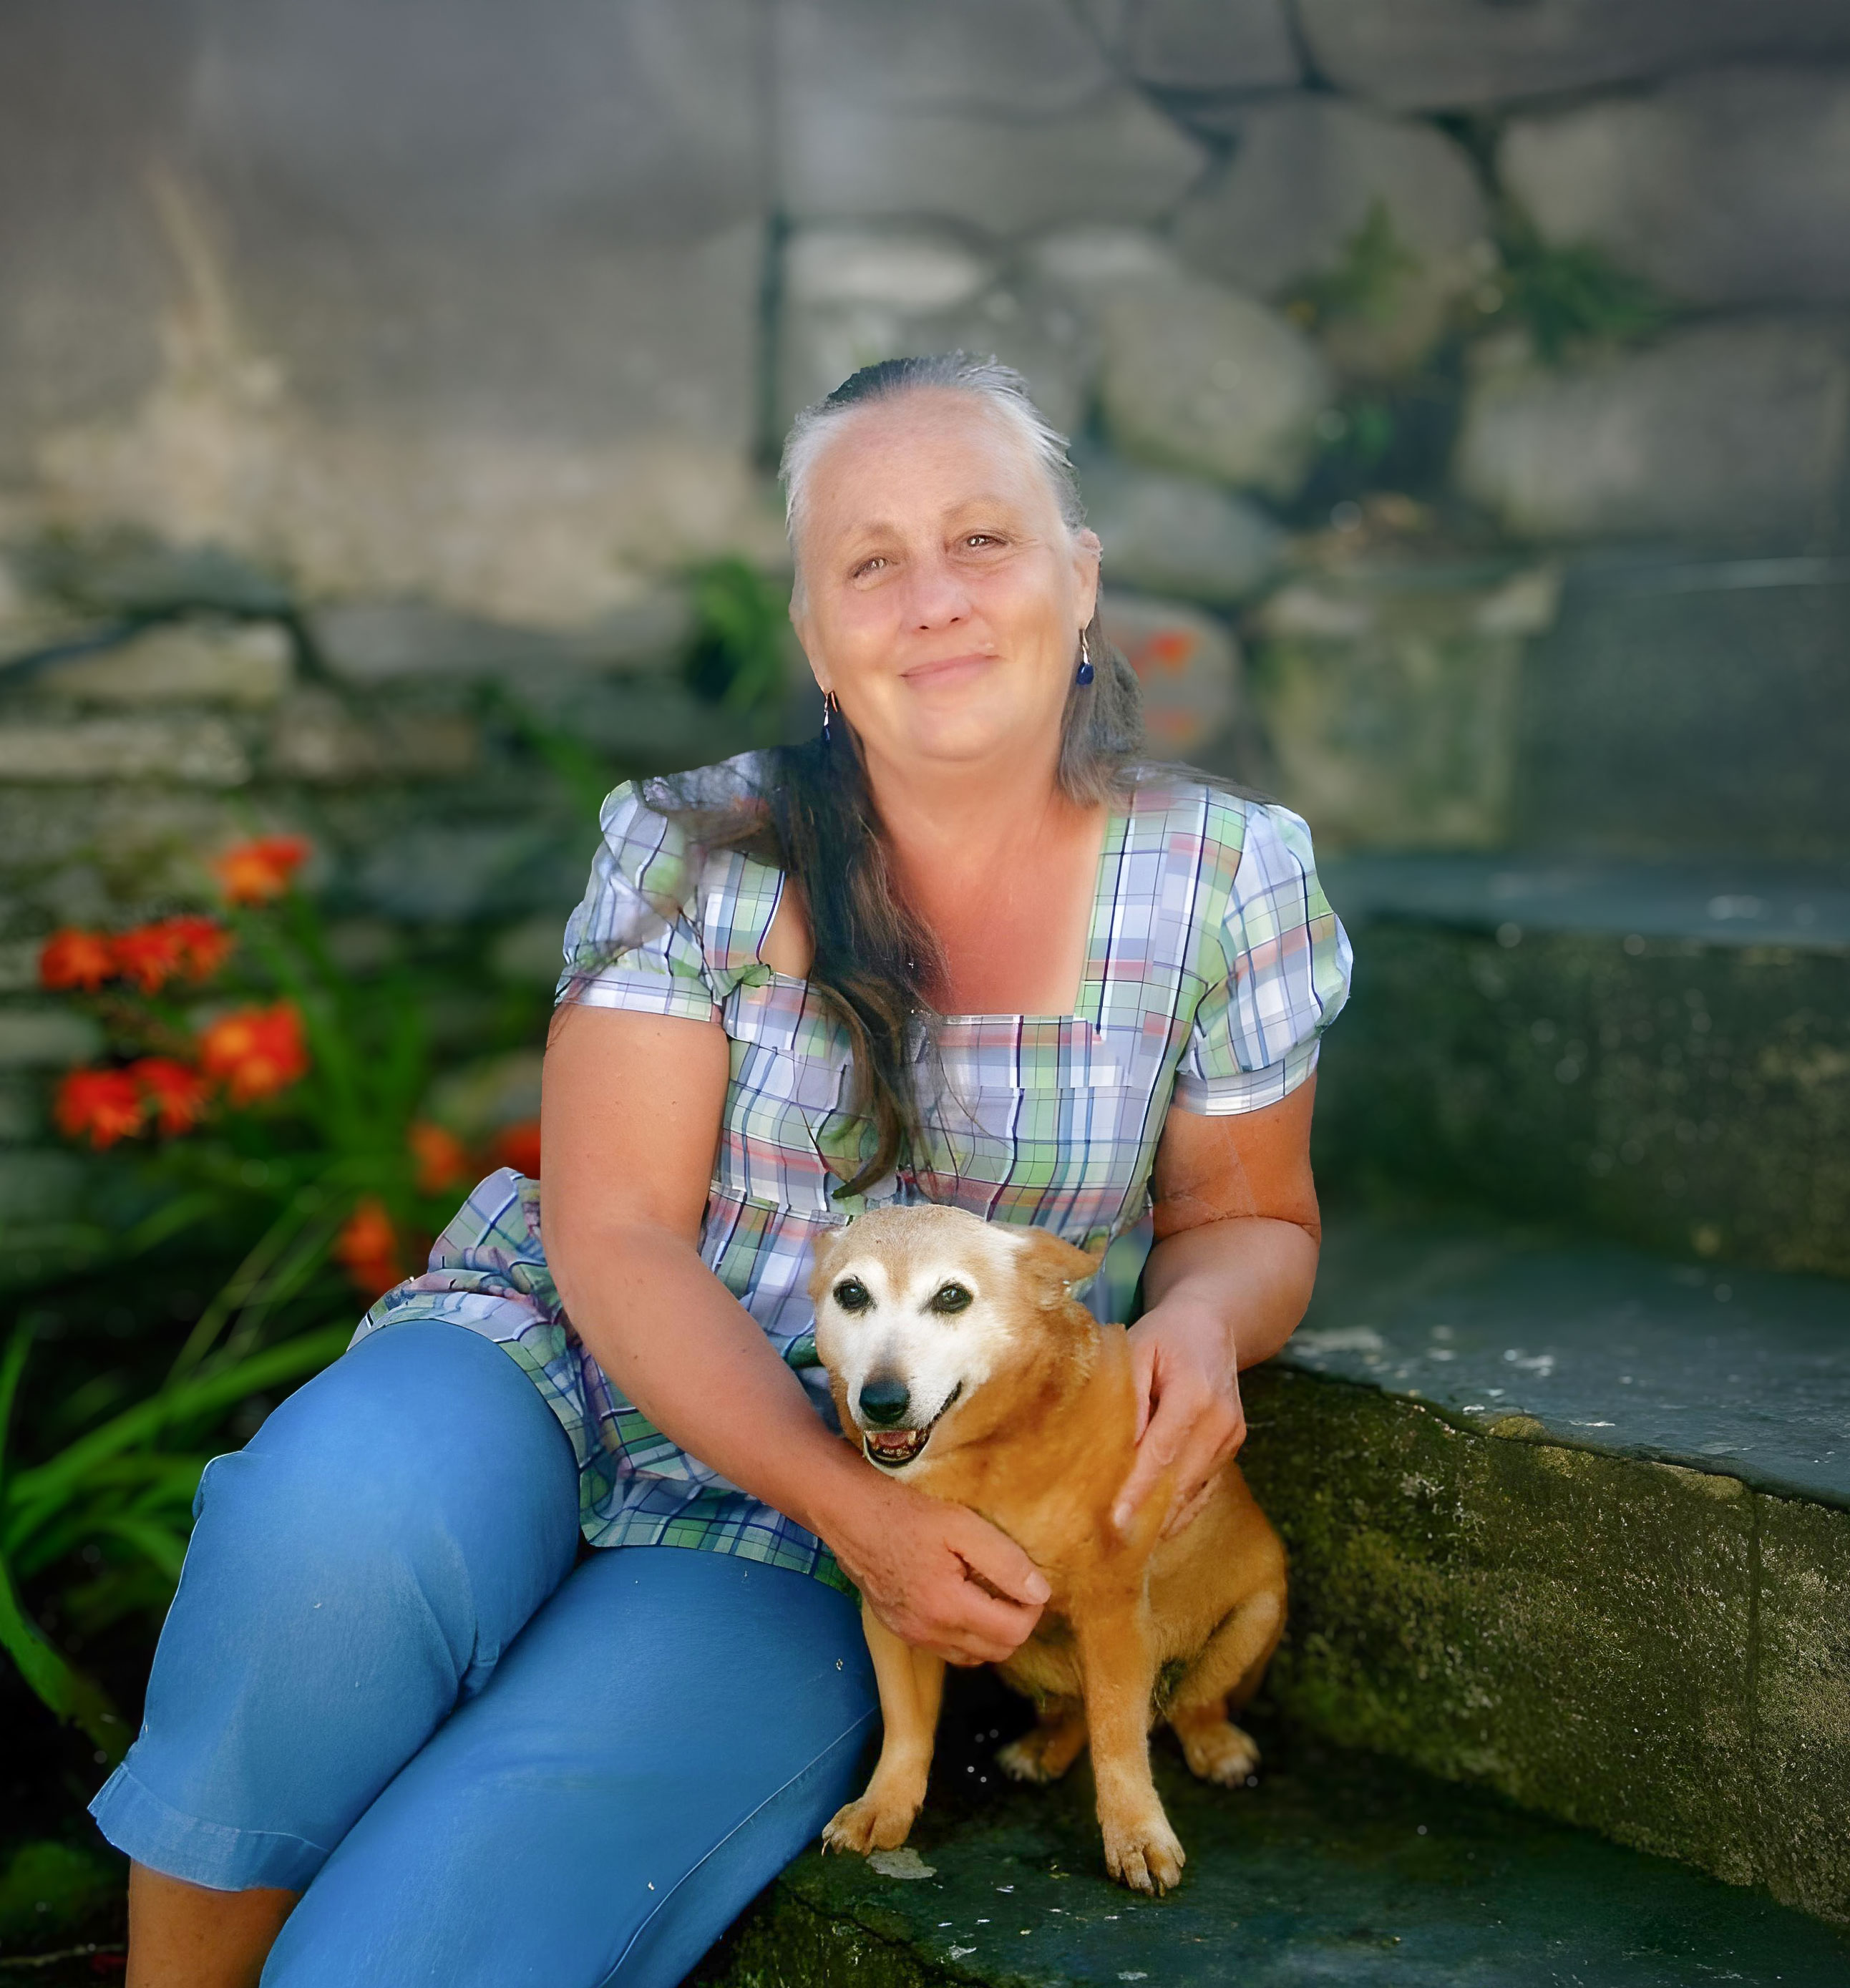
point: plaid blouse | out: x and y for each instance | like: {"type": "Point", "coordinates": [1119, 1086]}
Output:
{"type": "Point", "coordinates": [1214, 963]}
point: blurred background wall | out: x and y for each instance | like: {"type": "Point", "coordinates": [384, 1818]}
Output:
{"type": "Point", "coordinates": [1461, 388]}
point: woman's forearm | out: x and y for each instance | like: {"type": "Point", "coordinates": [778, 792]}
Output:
{"type": "Point", "coordinates": [680, 1346]}
{"type": "Point", "coordinates": [1251, 1273]}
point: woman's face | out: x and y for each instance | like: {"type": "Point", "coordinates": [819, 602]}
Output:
{"type": "Point", "coordinates": [942, 593]}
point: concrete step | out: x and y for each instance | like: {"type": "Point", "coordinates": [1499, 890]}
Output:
{"type": "Point", "coordinates": [1660, 1050]}
{"type": "Point", "coordinates": [1337, 1867]}
{"type": "Point", "coordinates": [1683, 705]}
{"type": "Point", "coordinates": [1573, 1522]}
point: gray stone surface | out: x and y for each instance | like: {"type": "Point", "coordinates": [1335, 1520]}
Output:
{"type": "Point", "coordinates": [1429, 55]}
{"type": "Point", "coordinates": [1389, 697]}
{"type": "Point", "coordinates": [1728, 187]}
{"type": "Point", "coordinates": [318, 737]}
{"type": "Point", "coordinates": [1680, 705]}
{"type": "Point", "coordinates": [1006, 119]}
{"type": "Point", "coordinates": [1165, 533]}
{"type": "Point", "coordinates": [45, 1038]}
{"type": "Point", "coordinates": [371, 643]}
{"type": "Point", "coordinates": [197, 752]}
{"type": "Point", "coordinates": [438, 301]}
{"type": "Point", "coordinates": [1733, 431]}
{"type": "Point", "coordinates": [853, 295]}
{"type": "Point", "coordinates": [246, 665]}
{"type": "Point", "coordinates": [1336, 1869]}
{"type": "Point", "coordinates": [1200, 377]}
{"type": "Point", "coordinates": [1308, 176]}
{"type": "Point", "coordinates": [1230, 47]}
{"type": "Point", "coordinates": [1718, 1370]}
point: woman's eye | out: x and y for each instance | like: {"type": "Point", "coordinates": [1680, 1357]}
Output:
{"type": "Point", "coordinates": [950, 1297]}
{"type": "Point", "coordinates": [981, 539]}
{"type": "Point", "coordinates": [852, 1295]}
{"type": "Point", "coordinates": [870, 566]}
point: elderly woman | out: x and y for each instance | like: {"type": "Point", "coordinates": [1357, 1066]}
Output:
{"type": "Point", "coordinates": [963, 947]}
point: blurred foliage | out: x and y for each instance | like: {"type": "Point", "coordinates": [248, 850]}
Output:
{"type": "Point", "coordinates": [737, 654]}
{"type": "Point", "coordinates": [1365, 283]}
{"type": "Point", "coordinates": [1567, 297]}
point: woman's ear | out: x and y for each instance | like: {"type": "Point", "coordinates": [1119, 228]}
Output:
{"type": "Point", "coordinates": [1087, 555]}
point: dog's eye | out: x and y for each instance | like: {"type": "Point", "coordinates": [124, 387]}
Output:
{"type": "Point", "coordinates": [852, 1295]}
{"type": "Point", "coordinates": [950, 1297]}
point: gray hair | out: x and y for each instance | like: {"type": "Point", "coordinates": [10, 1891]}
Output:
{"type": "Point", "coordinates": [1104, 722]}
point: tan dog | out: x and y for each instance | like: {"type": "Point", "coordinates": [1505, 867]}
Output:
{"type": "Point", "coordinates": [960, 1359]}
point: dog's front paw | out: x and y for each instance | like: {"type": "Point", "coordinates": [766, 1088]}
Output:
{"type": "Point", "coordinates": [1219, 1752]}
{"type": "Point", "coordinates": [1144, 1854]}
{"type": "Point", "coordinates": [875, 1822]}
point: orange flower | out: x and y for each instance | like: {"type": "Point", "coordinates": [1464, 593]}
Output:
{"type": "Point", "coordinates": [443, 1159]}
{"type": "Point", "coordinates": [73, 958]}
{"type": "Point", "coordinates": [102, 1105]}
{"type": "Point", "coordinates": [367, 1249]}
{"type": "Point", "coordinates": [253, 873]}
{"type": "Point", "coordinates": [150, 955]}
{"type": "Point", "coordinates": [518, 1147]}
{"type": "Point", "coordinates": [205, 942]}
{"type": "Point", "coordinates": [255, 1052]}
{"type": "Point", "coordinates": [177, 1092]}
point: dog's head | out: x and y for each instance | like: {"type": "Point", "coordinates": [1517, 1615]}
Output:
{"type": "Point", "coordinates": [916, 1309]}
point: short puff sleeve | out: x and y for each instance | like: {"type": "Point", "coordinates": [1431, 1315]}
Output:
{"type": "Point", "coordinates": [1276, 964]}
{"type": "Point", "coordinates": [634, 942]}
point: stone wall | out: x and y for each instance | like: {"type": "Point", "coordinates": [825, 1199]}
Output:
{"type": "Point", "coordinates": [367, 372]}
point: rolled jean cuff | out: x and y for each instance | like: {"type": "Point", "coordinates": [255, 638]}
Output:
{"type": "Point", "coordinates": [144, 1827]}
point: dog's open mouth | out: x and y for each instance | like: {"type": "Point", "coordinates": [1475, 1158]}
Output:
{"type": "Point", "coordinates": [892, 1449]}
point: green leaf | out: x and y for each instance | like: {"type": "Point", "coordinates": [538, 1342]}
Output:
{"type": "Point", "coordinates": [74, 1697]}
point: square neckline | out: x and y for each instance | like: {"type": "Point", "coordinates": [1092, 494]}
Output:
{"type": "Point", "coordinates": [1089, 1004]}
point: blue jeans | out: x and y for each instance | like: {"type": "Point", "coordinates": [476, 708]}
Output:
{"type": "Point", "coordinates": [384, 1682]}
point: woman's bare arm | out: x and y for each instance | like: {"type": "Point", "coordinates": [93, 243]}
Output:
{"type": "Point", "coordinates": [632, 1108]}
{"type": "Point", "coordinates": [1237, 1234]}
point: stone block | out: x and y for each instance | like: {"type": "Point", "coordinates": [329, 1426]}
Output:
{"type": "Point", "coordinates": [369, 643]}
{"type": "Point", "coordinates": [1802, 1703]}
{"type": "Point", "coordinates": [1189, 664]}
{"type": "Point", "coordinates": [479, 1100]}
{"type": "Point", "coordinates": [1572, 1628]}
{"type": "Point", "coordinates": [1200, 377]}
{"type": "Point", "coordinates": [1686, 1098]}
{"type": "Point", "coordinates": [1004, 119]}
{"type": "Point", "coordinates": [1378, 222]}
{"type": "Point", "coordinates": [1225, 47]}
{"type": "Point", "coordinates": [1164, 533]}
{"type": "Point", "coordinates": [317, 738]}
{"type": "Point", "coordinates": [248, 665]}
{"type": "Point", "coordinates": [1641, 733]}
{"type": "Point", "coordinates": [1438, 54]}
{"type": "Point", "coordinates": [196, 751]}
{"type": "Point", "coordinates": [1389, 698]}
{"type": "Point", "coordinates": [855, 296]}
{"type": "Point", "coordinates": [1728, 187]}
{"type": "Point", "coordinates": [43, 1038]}
{"type": "Point", "coordinates": [1731, 432]}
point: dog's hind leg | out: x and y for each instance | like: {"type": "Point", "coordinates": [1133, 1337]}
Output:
{"type": "Point", "coordinates": [1057, 1740]}
{"type": "Point", "coordinates": [1227, 1672]}
{"type": "Point", "coordinates": [912, 1685]}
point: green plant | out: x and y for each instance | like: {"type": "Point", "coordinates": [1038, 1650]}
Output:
{"type": "Point", "coordinates": [1365, 283]}
{"type": "Point", "coordinates": [736, 656]}
{"type": "Point", "coordinates": [1564, 295]}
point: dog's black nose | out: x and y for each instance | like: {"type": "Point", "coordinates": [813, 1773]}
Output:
{"type": "Point", "coordinates": [883, 1402]}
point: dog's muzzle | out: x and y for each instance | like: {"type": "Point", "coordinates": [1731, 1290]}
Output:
{"type": "Point", "coordinates": [893, 1449]}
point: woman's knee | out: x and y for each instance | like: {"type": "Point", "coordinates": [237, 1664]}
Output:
{"type": "Point", "coordinates": [421, 1463]}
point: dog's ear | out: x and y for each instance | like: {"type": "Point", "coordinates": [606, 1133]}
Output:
{"type": "Point", "coordinates": [1054, 1266]}
{"type": "Point", "coordinates": [823, 1249]}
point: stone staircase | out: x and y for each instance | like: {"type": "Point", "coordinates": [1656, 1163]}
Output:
{"type": "Point", "coordinates": [1562, 1452]}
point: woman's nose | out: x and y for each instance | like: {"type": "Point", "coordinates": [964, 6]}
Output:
{"type": "Point", "coordinates": [940, 598]}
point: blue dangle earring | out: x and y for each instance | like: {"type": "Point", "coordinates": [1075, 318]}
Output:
{"type": "Point", "coordinates": [831, 702]}
{"type": "Point", "coordinates": [1084, 673]}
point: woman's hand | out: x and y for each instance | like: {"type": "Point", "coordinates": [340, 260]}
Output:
{"type": "Point", "coordinates": [939, 1577]}
{"type": "Point", "coordinates": [1189, 1419]}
